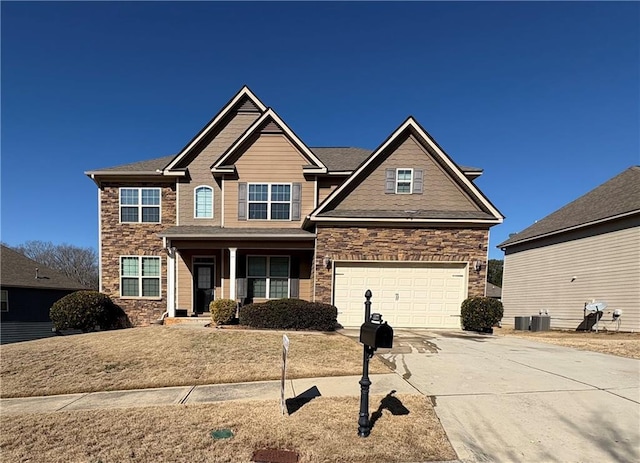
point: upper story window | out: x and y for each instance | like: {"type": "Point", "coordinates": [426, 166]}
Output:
{"type": "Point", "coordinates": [269, 201]}
{"type": "Point", "coordinates": [139, 276]}
{"type": "Point", "coordinates": [4, 300]}
{"type": "Point", "coordinates": [404, 180]}
{"type": "Point", "coordinates": [203, 202]}
{"type": "Point", "coordinates": [140, 205]}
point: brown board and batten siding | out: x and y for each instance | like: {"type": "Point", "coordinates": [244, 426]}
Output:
{"type": "Point", "coordinates": [440, 192]}
{"type": "Point", "coordinates": [605, 264]}
{"type": "Point", "coordinates": [200, 170]}
{"type": "Point", "coordinates": [270, 159]}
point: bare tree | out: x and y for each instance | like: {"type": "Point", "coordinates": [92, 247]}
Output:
{"type": "Point", "coordinates": [80, 264]}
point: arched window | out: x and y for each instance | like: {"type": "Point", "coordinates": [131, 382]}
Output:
{"type": "Point", "coordinates": [203, 202]}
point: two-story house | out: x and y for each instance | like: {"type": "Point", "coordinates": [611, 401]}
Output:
{"type": "Point", "coordinates": [247, 211]}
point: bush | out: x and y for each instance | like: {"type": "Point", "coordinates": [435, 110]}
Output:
{"type": "Point", "coordinates": [223, 311]}
{"type": "Point", "coordinates": [84, 310]}
{"type": "Point", "coordinates": [480, 313]}
{"type": "Point", "coordinates": [290, 314]}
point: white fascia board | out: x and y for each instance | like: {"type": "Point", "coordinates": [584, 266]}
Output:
{"type": "Point", "coordinates": [242, 93]}
{"type": "Point", "coordinates": [407, 220]}
{"type": "Point", "coordinates": [223, 170]}
{"type": "Point", "coordinates": [270, 113]}
{"type": "Point", "coordinates": [314, 170]}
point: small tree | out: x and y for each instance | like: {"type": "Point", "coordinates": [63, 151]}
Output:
{"type": "Point", "coordinates": [84, 310]}
{"type": "Point", "coordinates": [480, 313]}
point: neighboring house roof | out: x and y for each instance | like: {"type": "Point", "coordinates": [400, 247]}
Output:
{"type": "Point", "coordinates": [16, 270]}
{"type": "Point", "coordinates": [412, 126]}
{"type": "Point", "coordinates": [493, 291]}
{"type": "Point", "coordinates": [616, 198]}
{"type": "Point", "coordinates": [201, 231]}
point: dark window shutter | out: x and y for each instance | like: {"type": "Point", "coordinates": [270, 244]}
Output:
{"type": "Point", "coordinates": [294, 288]}
{"type": "Point", "coordinates": [295, 201]}
{"type": "Point", "coordinates": [417, 181]}
{"type": "Point", "coordinates": [294, 277]}
{"type": "Point", "coordinates": [242, 201]}
{"type": "Point", "coordinates": [241, 288]}
{"type": "Point", "coordinates": [390, 181]}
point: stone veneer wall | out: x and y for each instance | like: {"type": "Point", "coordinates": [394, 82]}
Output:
{"type": "Point", "coordinates": [400, 244]}
{"type": "Point", "coordinates": [135, 239]}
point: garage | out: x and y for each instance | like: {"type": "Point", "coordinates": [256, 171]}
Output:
{"type": "Point", "coordinates": [407, 294]}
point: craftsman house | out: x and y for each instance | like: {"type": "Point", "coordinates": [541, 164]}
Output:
{"type": "Point", "coordinates": [247, 211]}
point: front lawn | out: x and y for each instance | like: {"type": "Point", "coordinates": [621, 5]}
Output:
{"type": "Point", "coordinates": [323, 430]}
{"type": "Point", "coordinates": [158, 356]}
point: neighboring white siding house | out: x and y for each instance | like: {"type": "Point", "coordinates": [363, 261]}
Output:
{"type": "Point", "coordinates": [587, 251]}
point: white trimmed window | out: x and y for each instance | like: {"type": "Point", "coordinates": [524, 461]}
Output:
{"type": "Point", "coordinates": [404, 181]}
{"type": "Point", "coordinates": [140, 205]}
{"type": "Point", "coordinates": [139, 276]}
{"type": "Point", "coordinates": [269, 201]}
{"type": "Point", "coordinates": [268, 276]}
{"type": "Point", "coordinates": [203, 202]}
{"type": "Point", "coordinates": [4, 300]}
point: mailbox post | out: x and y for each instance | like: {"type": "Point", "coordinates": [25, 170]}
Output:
{"type": "Point", "coordinates": [373, 334]}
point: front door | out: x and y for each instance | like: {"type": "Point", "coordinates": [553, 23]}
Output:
{"type": "Point", "coordinates": [203, 284]}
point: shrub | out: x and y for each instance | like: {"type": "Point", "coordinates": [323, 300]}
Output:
{"type": "Point", "coordinates": [84, 310]}
{"type": "Point", "coordinates": [480, 313]}
{"type": "Point", "coordinates": [290, 314]}
{"type": "Point", "coordinates": [223, 311]}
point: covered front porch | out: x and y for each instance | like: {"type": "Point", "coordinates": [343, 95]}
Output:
{"type": "Point", "coordinates": [243, 264]}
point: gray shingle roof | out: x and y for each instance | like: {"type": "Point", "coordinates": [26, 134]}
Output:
{"type": "Point", "coordinates": [616, 197]}
{"type": "Point", "coordinates": [148, 166]}
{"type": "Point", "coordinates": [18, 270]}
{"type": "Point", "coordinates": [493, 291]}
{"type": "Point", "coordinates": [338, 159]}
{"type": "Point", "coordinates": [201, 231]}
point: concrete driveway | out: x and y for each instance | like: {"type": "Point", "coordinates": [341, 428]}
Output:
{"type": "Point", "coordinates": [504, 399]}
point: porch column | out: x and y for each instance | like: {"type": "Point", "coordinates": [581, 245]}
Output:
{"type": "Point", "coordinates": [232, 273]}
{"type": "Point", "coordinates": [171, 281]}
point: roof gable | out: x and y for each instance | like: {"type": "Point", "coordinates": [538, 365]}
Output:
{"type": "Point", "coordinates": [18, 270]}
{"type": "Point", "coordinates": [244, 101]}
{"type": "Point", "coordinates": [616, 198]}
{"type": "Point", "coordinates": [471, 199]}
{"type": "Point", "coordinates": [269, 122]}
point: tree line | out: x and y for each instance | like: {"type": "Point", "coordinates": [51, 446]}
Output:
{"type": "Point", "coordinates": [78, 263]}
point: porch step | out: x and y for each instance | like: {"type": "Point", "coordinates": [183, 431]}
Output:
{"type": "Point", "coordinates": [200, 320]}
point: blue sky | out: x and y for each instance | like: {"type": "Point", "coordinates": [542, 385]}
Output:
{"type": "Point", "coordinates": [544, 96]}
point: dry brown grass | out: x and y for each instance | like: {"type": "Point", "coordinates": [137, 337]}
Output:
{"type": "Point", "coordinates": [324, 430]}
{"type": "Point", "coordinates": [159, 356]}
{"type": "Point", "coordinates": [606, 342]}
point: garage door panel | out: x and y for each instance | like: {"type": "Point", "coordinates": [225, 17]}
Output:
{"type": "Point", "coordinates": [406, 294]}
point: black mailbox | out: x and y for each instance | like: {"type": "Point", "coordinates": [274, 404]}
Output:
{"type": "Point", "coordinates": [376, 335]}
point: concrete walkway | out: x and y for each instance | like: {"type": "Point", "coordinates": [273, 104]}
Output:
{"type": "Point", "coordinates": [262, 390]}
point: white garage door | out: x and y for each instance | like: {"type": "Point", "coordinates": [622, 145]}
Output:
{"type": "Point", "coordinates": [406, 294]}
